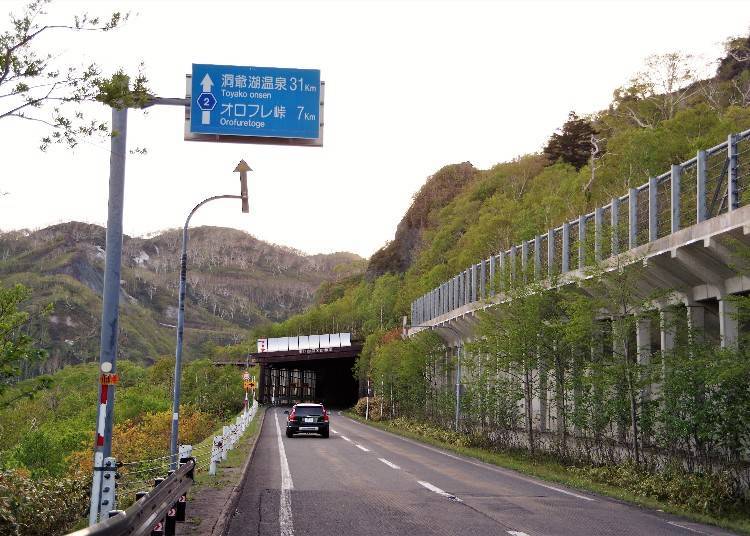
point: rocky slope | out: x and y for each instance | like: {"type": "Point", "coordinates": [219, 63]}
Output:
{"type": "Point", "coordinates": [235, 281]}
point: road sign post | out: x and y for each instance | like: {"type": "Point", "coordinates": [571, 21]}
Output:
{"type": "Point", "coordinates": [110, 303]}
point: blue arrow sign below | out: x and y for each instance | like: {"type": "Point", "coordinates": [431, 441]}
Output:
{"type": "Point", "coordinates": [255, 101]}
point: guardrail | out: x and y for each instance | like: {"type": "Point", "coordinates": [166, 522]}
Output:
{"type": "Point", "coordinates": [701, 188]}
{"type": "Point", "coordinates": [156, 512]}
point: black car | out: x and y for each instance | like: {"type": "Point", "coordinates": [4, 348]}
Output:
{"type": "Point", "coordinates": [307, 418]}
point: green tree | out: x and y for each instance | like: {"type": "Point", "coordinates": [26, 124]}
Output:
{"type": "Point", "coordinates": [573, 143]}
{"type": "Point", "coordinates": [16, 345]}
{"type": "Point", "coordinates": [35, 86]}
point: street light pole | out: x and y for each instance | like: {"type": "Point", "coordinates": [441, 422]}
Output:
{"type": "Point", "coordinates": [458, 368]}
{"type": "Point", "coordinates": [243, 168]}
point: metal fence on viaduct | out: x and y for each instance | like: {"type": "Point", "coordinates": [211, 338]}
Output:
{"type": "Point", "coordinates": [682, 225]}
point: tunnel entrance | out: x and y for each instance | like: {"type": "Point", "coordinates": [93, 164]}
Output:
{"type": "Point", "coordinates": [315, 368]}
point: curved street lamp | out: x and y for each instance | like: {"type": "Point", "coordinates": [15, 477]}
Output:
{"type": "Point", "coordinates": [242, 168]}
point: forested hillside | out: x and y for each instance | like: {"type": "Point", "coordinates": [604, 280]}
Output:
{"type": "Point", "coordinates": [462, 215]}
{"type": "Point", "coordinates": [234, 282]}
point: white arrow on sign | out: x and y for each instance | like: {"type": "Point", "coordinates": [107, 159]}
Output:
{"type": "Point", "coordinates": [206, 84]}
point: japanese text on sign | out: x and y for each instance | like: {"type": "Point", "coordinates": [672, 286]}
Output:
{"type": "Point", "coordinates": [255, 101]}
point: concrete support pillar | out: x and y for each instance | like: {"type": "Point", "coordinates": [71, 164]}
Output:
{"type": "Point", "coordinates": [542, 394]}
{"type": "Point", "coordinates": [643, 348]}
{"type": "Point", "coordinates": [728, 324]}
{"type": "Point", "coordinates": [696, 320]}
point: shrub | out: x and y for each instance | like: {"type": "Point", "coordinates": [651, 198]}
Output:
{"type": "Point", "coordinates": [41, 507]}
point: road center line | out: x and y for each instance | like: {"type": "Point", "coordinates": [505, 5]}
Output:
{"type": "Point", "coordinates": [360, 447]}
{"type": "Point", "coordinates": [286, 526]}
{"type": "Point", "coordinates": [439, 491]}
{"type": "Point", "coordinates": [334, 431]}
{"type": "Point", "coordinates": [389, 464]}
{"type": "Point", "coordinates": [516, 533]}
{"type": "Point", "coordinates": [346, 438]}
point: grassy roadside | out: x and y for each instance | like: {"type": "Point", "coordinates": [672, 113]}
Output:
{"type": "Point", "coordinates": [549, 470]}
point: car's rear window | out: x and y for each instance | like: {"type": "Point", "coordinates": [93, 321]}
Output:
{"type": "Point", "coordinates": [303, 411]}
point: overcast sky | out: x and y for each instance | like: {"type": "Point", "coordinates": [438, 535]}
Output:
{"type": "Point", "coordinates": [410, 87]}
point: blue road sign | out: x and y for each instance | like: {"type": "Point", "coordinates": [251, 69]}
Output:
{"type": "Point", "coordinates": [255, 101]}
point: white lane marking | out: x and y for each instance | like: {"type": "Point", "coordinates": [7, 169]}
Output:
{"type": "Point", "coordinates": [286, 525]}
{"type": "Point", "coordinates": [516, 533]}
{"type": "Point", "coordinates": [439, 491]}
{"type": "Point", "coordinates": [487, 466]}
{"type": "Point", "coordinates": [389, 464]}
{"type": "Point", "coordinates": [684, 527]}
{"type": "Point", "coordinates": [360, 447]}
{"type": "Point", "coordinates": [346, 438]}
{"type": "Point", "coordinates": [566, 492]}
{"type": "Point", "coordinates": [334, 431]}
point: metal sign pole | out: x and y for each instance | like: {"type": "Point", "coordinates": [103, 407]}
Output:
{"type": "Point", "coordinates": [110, 303]}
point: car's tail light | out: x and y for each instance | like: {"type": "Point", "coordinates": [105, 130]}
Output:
{"type": "Point", "coordinates": [325, 415]}
{"type": "Point", "coordinates": [292, 416]}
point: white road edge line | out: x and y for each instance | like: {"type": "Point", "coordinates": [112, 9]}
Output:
{"type": "Point", "coordinates": [517, 533]}
{"type": "Point", "coordinates": [496, 469]}
{"type": "Point", "coordinates": [334, 431]}
{"type": "Point", "coordinates": [439, 491]}
{"type": "Point", "coordinates": [389, 464]}
{"type": "Point", "coordinates": [286, 526]}
{"type": "Point", "coordinates": [346, 438]}
{"type": "Point", "coordinates": [686, 528]}
{"type": "Point", "coordinates": [360, 447]}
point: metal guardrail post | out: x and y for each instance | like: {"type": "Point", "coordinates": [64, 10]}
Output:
{"type": "Point", "coordinates": [676, 178]}
{"type": "Point", "coordinates": [653, 210]}
{"type": "Point", "coordinates": [632, 218]}
{"type": "Point", "coordinates": [524, 259]}
{"type": "Point", "coordinates": [537, 257]}
{"type": "Point", "coordinates": [701, 171]}
{"type": "Point", "coordinates": [565, 263]}
{"type": "Point", "coordinates": [733, 192]}
{"type": "Point", "coordinates": [512, 263]}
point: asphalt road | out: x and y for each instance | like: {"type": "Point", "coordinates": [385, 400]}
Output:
{"type": "Point", "coordinates": [363, 481]}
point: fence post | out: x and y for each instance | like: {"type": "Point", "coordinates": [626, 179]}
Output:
{"type": "Point", "coordinates": [676, 178]}
{"type": "Point", "coordinates": [653, 210]}
{"type": "Point", "coordinates": [524, 258]}
{"type": "Point", "coordinates": [501, 269]}
{"type": "Point", "coordinates": [582, 242]}
{"type": "Point", "coordinates": [492, 285]}
{"type": "Point", "coordinates": [615, 218]}
{"type": "Point", "coordinates": [537, 257]}
{"type": "Point", "coordinates": [551, 253]}
{"type": "Point", "coordinates": [733, 193]}
{"type": "Point", "coordinates": [565, 264]}
{"type": "Point", "coordinates": [215, 455]}
{"type": "Point", "coordinates": [632, 218]}
{"type": "Point", "coordinates": [598, 216]}
{"type": "Point", "coordinates": [107, 496]}
{"type": "Point", "coordinates": [512, 262]}
{"type": "Point", "coordinates": [701, 170]}
{"type": "Point", "coordinates": [483, 279]}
